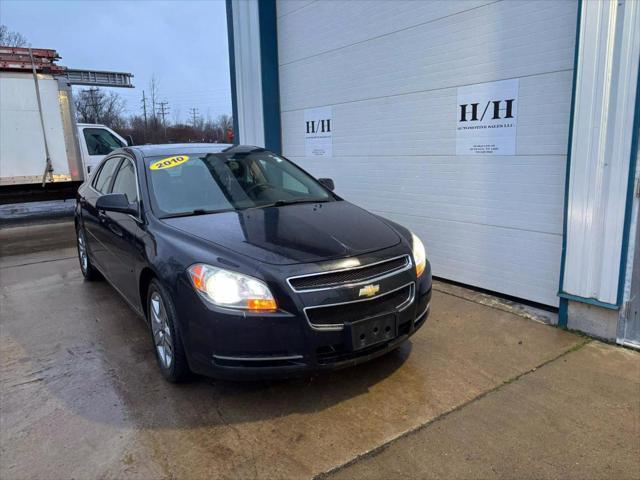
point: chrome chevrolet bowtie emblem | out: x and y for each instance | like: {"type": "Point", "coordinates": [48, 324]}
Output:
{"type": "Point", "coordinates": [368, 290]}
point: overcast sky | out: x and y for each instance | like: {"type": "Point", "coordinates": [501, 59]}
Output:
{"type": "Point", "coordinates": [184, 43]}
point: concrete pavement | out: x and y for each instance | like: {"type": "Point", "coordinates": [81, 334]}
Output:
{"type": "Point", "coordinates": [576, 417]}
{"type": "Point", "coordinates": [81, 397]}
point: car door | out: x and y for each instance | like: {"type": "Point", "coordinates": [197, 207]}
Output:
{"type": "Point", "coordinates": [97, 236]}
{"type": "Point", "coordinates": [125, 233]}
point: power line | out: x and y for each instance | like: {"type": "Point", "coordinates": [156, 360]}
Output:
{"type": "Point", "coordinates": [94, 103]}
{"type": "Point", "coordinates": [164, 111]}
{"type": "Point", "coordinates": [194, 116]}
{"type": "Point", "coordinates": [144, 110]}
{"type": "Point", "coordinates": [163, 108]}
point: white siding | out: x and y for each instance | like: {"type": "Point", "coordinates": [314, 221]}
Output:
{"type": "Point", "coordinates": [246, 39]}
{"type": "Point", "coordinates": [390, 70]}
{"type": "Point", "coordinates": [601, 151]}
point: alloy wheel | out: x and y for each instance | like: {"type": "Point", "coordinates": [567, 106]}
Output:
{"type": "Point", "coordinates": [161, 331]}
{"type": "Point", "coordinates": [82, 252]}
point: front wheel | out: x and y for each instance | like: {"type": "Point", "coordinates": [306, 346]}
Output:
{"type": "Point", "coordinates": [166, 337]}
{"type": "Point", "coordinates": [89, 272]}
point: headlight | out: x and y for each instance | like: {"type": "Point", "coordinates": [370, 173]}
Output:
{"type": "Point", "coordinates": [230, 289]}
{"type": "Point", "coordinates": [419, 254]}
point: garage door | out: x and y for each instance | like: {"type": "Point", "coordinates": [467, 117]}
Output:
{"type": "Point", "coordinates": [391, 81]}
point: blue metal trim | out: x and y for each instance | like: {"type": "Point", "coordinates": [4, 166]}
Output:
{"type": "Point", "coordinates": [232, 71]}
{"type": "Point", "coordinates": [267, 17]}
{"type": "Point", "coordinates": [563, 313]}
{"type": "Point", "coordinates": [630, 187]}
{"type": "Point", "coordinates": [562, 319]}
{"type": "Point", "coordinates": [590, 301]}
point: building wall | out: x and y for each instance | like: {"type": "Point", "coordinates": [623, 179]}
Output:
{"type": "Point", "coordinates": [598, 187]}
{"type": "Point", "coordinates": [390, 71]}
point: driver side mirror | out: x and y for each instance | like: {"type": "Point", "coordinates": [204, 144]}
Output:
{"type": "Point", "coordinates": [328, 183]}
{"type": "Point", "coordinates": [130, 142]}
{"type": "Point", "coordinates": [115, 202]}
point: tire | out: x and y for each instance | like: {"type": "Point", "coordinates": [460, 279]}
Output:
{"type": "Point", "coordinates": [89, 272]}
{"type": "Point", "coordinates": [166, 338]}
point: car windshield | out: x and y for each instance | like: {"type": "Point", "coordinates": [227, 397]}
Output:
{"type": "Point", "coordinates": [190, 184]}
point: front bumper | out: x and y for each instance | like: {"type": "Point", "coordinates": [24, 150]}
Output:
{"type": "Point", "coordinates": [242, 345]}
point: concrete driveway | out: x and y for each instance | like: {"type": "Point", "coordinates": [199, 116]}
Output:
{"type": "Point", "coordinates": [478, 392]}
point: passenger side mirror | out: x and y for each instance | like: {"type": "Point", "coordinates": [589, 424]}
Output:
{"type": "Point", "coordinates": [130, 142]}
{"type": "Point", "coordinates": [115, 202]}
{"type": "Point", "coordinates": [328, 183]}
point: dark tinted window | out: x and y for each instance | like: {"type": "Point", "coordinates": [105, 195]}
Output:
{"type": "Point", "coordinates": [100, 141]}
{"type": "Point", "coordinates": [125, 181]}
{"type": "Point", "coordinates": [228, 181]}
{"type": "Point", "coordinates": [103, 179]}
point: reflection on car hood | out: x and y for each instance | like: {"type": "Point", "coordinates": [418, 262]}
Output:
{"type": "Point", "coordinates": [293, 233]}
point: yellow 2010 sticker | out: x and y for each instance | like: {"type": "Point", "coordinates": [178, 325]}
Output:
{"type": "Point", "coordinates": [169, 162]}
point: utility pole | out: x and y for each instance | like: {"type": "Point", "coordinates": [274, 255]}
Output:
{"type": "Point", "coordinates": [164, 110]}
{"type": "Point", "coordinates": [144, 111]}
{"type": "Point", "coordinates": [194, 116]}
{"type": "Point", "coordinates": [94, 103]}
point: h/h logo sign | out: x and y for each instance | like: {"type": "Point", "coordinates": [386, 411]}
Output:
{"type": "Point", "coordinates": [318, 137]}
{"type": "Point", "coordinates": [319, 126]}
{"type": "Point", "coordinates": [486, 118]}
{"type": "Point", "coordinates": [501, 109]}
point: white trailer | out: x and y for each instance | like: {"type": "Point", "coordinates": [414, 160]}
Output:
{"type": "Point", "coordinates": [44, 153]}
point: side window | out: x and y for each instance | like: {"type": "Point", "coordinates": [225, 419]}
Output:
{"type": "Point", "coordinates": [282, 178]}
{"type": "Point", "coordinates": [100, 141]}
{"type": "Point", "coordinates": [103, 179]}
{"type": "Point", "coordinates": [125, 181]}
{"type": "Point", "coordinates": [290, 183]}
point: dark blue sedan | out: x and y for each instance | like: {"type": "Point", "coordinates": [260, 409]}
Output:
{"type": "Point", "coordinates": [244, 265]}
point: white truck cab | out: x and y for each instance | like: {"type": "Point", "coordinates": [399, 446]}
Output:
{"type": "Point", "coordinates": [95, 142]}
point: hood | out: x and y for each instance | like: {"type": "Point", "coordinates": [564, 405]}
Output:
{"type": "Point", "coordinates": [291, 234]}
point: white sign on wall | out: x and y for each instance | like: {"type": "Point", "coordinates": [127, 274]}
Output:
{"type": "Point", "coordinates": [486, 118]}
{"type": "Point", "coordinates": [318, 141]}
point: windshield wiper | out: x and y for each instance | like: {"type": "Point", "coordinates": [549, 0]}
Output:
{"type": "Point", "coordinates": [280, 203]}
{"type": "Point", "coordinates": [193, 213]}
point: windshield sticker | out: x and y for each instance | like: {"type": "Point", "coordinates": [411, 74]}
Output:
{"type": "Point", "coordinates": [168, 162]}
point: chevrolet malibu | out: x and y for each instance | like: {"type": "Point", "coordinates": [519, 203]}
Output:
{"type": "Point", "coordinates": [245, 266]}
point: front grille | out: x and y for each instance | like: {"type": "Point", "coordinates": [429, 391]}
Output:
{"type": "Point", "coordinates": [349, 276]}
{"type": "Point", "coordinates": [333, 316]}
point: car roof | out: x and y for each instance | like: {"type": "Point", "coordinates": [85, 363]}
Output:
{"type": "Point", "coordinates": [192, 148]}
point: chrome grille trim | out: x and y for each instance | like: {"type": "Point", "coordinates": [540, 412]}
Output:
{"type": "Point", "coordinates": [419, 317]}
{"type": "Point", "coordinates": [407, 266]}
{"type": "Point", "coordinates": [337, 327]}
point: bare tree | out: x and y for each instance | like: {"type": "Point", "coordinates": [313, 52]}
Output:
{"type": "Point", "coordinates": [12, 39]}
{"type": "Point", "coordinates": [175, 115]}
{"type": "Point", "coordinates": [225, 122]}
{"type": "Point", "coordinates": [94, 105]}
{"type": "Point", "coordinates": [154, 93]}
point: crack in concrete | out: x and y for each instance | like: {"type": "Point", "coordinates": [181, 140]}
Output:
{"type": "Point", "coordinates": [36, 263]}
{"type": "Point", "coordinates": [380, 448]}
